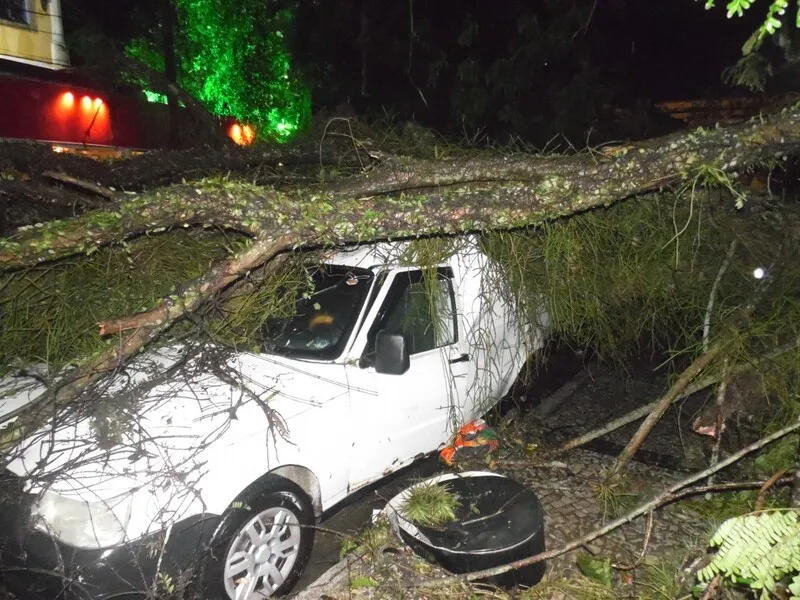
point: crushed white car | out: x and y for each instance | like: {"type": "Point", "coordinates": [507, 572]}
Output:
{"type": "Point", "coordinates": [233, 456]}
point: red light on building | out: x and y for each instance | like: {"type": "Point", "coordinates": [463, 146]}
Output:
{"type": "Point", "coordinates": [86, 103]}
{"type": "Point", "coordinates": [67, 99]}
{"type": "Point", "coordinates": [98, 102]}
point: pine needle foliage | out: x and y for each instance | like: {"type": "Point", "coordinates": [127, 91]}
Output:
{"type": "Point", "coordinates": [607, 277]}
{"type": "Point", "coordinates": [431, 505]}
{"type": "Point", "coordinates": [237, 318]}
{"type": "Point", "coordinates": [49, 313]}
{"type": "Point", "coordinates": [638, 277]}
{"type": "Point", "coordinates": [758, 551]}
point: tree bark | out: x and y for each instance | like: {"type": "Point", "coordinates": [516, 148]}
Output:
{"type": "Point", "coordinates": [412, 197]}
{"type": "Point", "coordinates": [171, 73]}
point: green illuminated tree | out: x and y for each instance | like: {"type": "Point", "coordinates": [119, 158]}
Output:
{"type": "Point", "coordinates": [234, 58]}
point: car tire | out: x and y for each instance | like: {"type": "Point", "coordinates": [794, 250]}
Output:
{"type": "Point", "coordinates": [263, 541]}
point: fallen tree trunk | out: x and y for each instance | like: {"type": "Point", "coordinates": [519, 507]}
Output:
{"type": "Point", "coordinates": [411, 197]}
{"type": "Point", "coordinates": [268, 163]}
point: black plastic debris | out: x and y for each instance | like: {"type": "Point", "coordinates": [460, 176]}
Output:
{"type": "Point", "coordinates": [498, 521]}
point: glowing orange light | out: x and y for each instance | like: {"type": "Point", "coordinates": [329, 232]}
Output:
{"type": "Point", "coordinates": [235, 133]}
{"type": "Point", "coordinates": [86, 103]}
{"type": "Point", "coordinates": [98, 102]}
{"type": "Point", "coordinates": [67, 99]}
{"type": "Point", "coordinates": [248, 134]}
{"type": "Point", "coordinates": [243, 135]}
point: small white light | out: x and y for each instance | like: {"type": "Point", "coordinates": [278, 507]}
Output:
{"type": "Point", "coordinates": [759, 273]}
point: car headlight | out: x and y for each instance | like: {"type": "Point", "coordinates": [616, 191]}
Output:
{"type": "Point", "coordinates": [84, 524]}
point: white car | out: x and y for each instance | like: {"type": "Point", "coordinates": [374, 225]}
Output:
{"type": "Point", "coordinates": [232, 457]}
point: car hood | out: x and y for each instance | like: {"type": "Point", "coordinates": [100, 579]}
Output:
{"type": "Point", "coordinates": [169, 417]}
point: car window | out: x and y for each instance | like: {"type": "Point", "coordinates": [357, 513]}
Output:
{"type": "Point", "coordinates": [420, 310]}
{"type": "Point", "coordinates": [322, 320]}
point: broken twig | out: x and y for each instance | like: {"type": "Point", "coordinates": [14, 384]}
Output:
{"type": "Point", "coordinates": [692, 371]}
{"type": "Point", "coordinates": [722, 388]}
{"type": "Point", "coordinates": [94, 188]}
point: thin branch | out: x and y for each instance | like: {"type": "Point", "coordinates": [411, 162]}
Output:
{"type": "Point", "coordinates": [692, 371]}
{"type": "Point", "coordinates": [722, 388]}
{"type": "Point", "coordinates": [648, 531]}
{"type": "Point", "coordinates": [713, 294]}
{"type": "Point", "coordinates": [767, 486]}
{"type": "Point", "coordinates": [85, 185]}
{"type": "Point", "coordinates": [669, 495]}
{"type": "Point", "coordinates": [712, 587]}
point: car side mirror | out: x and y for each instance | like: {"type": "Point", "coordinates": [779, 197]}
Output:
{"type": "Point", "coordinates": [391, 354]}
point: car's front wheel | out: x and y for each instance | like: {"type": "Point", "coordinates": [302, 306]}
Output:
{"type": "Point", "coordinates": [262, 543]}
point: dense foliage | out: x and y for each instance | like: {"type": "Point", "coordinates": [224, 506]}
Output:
{"type": "Point", "coordinates": [234, 58]}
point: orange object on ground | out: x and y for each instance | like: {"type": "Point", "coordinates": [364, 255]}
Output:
{"type": "Point", "coordinates": [472, 435]}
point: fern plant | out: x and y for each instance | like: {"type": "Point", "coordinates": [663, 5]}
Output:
{"type": "Point", "coordinates": [758, 551]}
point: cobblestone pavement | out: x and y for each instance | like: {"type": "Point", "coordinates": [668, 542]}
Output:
{"type": "Point", "coordinates": [572, 509]}
{"type": "Point", "coordinates": [570, 496]}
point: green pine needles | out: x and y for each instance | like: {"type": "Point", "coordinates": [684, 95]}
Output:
{"type": "Point", "coordinates": [758, 551]}
{"type": "Point", "coordinates": [431, 505]}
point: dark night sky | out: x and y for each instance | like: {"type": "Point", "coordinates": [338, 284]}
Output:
{"type": "Point", "coordinates": [666, 48]}
{"type": "Point", "coordinates": [672, 48]}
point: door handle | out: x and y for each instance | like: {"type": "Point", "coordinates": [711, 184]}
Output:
{"type": "Point", "coordinates": [460, 359]}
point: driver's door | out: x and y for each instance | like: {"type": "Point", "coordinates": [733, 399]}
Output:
{"type": "Point", "coordinates": [396, 418]}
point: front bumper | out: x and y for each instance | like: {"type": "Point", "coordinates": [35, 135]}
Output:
{"type": "Point", "coordinates": [36, 566]}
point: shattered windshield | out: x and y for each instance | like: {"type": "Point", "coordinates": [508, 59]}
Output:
{"type": "Point", "coordinates": [324, 318]}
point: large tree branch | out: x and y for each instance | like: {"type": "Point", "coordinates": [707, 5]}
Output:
{"type": "Point", "coordinates": [627, 170]}
{"type": "Point", "coordinates": [449, 196]}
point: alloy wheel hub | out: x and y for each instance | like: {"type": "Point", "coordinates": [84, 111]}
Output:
{"type": "Point", "coordinates": [261, 556]}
